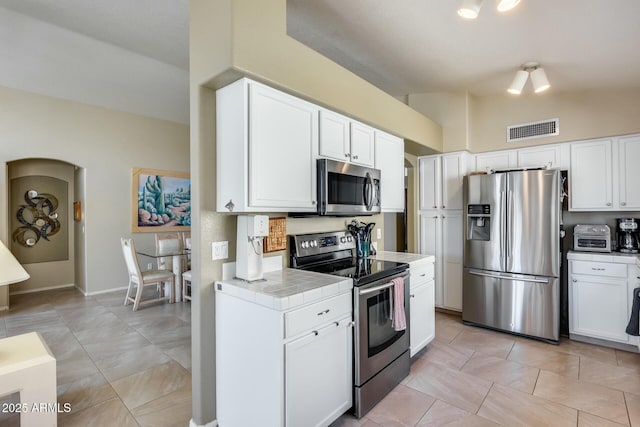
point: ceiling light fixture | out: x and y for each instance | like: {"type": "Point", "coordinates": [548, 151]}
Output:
{"type": "Point", "coordinates": [469, 9]}
{"type": "Point", "coordinates": [538, 79]}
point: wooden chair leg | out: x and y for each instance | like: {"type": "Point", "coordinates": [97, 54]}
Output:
{"type": "Point", "coordinates": [136, 303]}
{"type": "Point", "coordinates": [126, 297]}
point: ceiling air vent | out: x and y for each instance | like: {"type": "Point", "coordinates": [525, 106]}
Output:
{"type": "Point", "coordinates": [533, 130]}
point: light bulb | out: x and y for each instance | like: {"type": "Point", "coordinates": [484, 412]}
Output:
{"type": "Point", "coordinates": [506, 5]}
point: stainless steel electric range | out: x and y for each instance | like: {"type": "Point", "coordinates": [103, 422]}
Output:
{"type": "Point", "coordinates": [381, 354]}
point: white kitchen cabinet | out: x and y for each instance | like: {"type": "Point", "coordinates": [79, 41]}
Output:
{"type": "Point", "coordinates": [629, 172]}
{"type": "Point", "coordinates": [600, 297]}
{"type": "Point", "coordinates": [283, 368]}
{"type": "Point", "coordinates": [389, 158]}
{"type": "Point", "coordinates": [346, 140]}
{"type": "Point", "coordinates": [422, 305]}
{"type": "Point", "coordinates": [496, 160]}
{"type": "Point", "coordinates": [259, 127]}
{"type": "Point", "coordinates": [441, 179]}
{"type": "Point", "coordinates": [441, 234]}
{"type": "Point", "coordinates": [318, 375]}
{"type": "Point", "coordinates": [546, 156]}
{"type": "Point", "coordinates": [590, 175]}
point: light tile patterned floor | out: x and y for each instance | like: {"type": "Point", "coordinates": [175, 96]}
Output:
{"type": "Point", "coordinates": [115, 367]}
{"type": "Point", "coordinates": [474, 377]}
{"type": "Point", "coordinates": [120, 368]}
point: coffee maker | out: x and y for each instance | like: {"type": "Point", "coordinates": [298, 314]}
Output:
{"type": "Point", "coordinates": [628, 235]}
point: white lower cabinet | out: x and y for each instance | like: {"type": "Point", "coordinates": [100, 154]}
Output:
{"type": "Point", "coordinates": [283, 368]}
{"type": "Point", "coordinates": [600, 296]}
{"type": "Point", "coordinates": [422, 305]}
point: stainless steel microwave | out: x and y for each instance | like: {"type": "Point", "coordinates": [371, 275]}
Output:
{"type": "Point", "coordinates": [345, 189]}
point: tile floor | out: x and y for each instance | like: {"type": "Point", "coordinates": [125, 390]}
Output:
{"type": "Point", "coordinates": [115, 367]}
{"type": "Point", "coordinates": [474, 377]}
{"type": "Point", "coordinates": [120, 368]}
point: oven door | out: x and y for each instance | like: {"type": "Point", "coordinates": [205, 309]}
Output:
{"type": "Point", "coordinates": [376, 342]}
{"type": "Point", "coordinates": [347, 189]}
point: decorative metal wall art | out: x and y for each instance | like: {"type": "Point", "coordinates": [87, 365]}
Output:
{"type": "Point", "coordinates": [38, 217]}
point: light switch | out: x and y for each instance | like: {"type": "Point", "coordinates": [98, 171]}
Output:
{"type": "Point", "coordinates": [379, 233]}
{"type": "Point", "coordinates": [219, 250]}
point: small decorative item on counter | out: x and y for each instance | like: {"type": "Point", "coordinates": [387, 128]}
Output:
{"type": "Point", "coordinates": [362, 233]}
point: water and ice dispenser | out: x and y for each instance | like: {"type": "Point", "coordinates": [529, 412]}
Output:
{"type": "Point", "coordinates": [479, 222]}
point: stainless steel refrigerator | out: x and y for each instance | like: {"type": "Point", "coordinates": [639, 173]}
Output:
{"type": "Point", "coordinates": [511, 278]}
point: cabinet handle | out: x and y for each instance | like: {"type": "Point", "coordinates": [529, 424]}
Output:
{"type": "Point", "coordinates": [609, 204]}
{"type": "Point", "coordinates": [346, 154]}
{"type": "Point", "coordinates": [443, 216]}
{"type": "Point", "coordinates": [355, 157]}
{"type": "Point", "coordinates": [574, 280]}
{"type": "Point", "coordinates": [623, 203]}
{"type": "Point", "coordinates": [313, 202]}
{"type": "Point", "coordinates": [315, 333]}
{"type": "Point", "coordinates": [413, 295]}
{"type": "Point", "coordinates": [435, 207]}
{"type": "Point", "coordinates": [424, 274]}
{"type": "Point", "coordinates": [337, 323]}
{"type": "Point", "coordinates": [323, 312]}
{"type": "Point", "coordinates": [598, 269]}
{"type": "Point", "coordinates": [443, 206]}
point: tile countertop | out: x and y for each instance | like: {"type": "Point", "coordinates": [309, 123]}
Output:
{"type": "Point", "coordinates": [402, 257]}
{"type": "Point", "coordinates": [616, 257]}
{"type": "Point", "coordinates": [286, 289]}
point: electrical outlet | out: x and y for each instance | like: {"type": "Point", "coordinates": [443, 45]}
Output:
{"type": "Point", "coordinates": [149, 266]}
{"type": "Point", "coordinates": [219, 250]}
{"type": "Point", "coordinates": [379, 233]}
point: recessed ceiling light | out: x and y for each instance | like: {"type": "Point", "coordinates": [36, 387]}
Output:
{"type": "Point", "coordinates": [506, 5]}
{"type": "Point", "coordinates": [469, 9]}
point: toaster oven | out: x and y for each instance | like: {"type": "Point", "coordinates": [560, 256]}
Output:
{"type": "Point", "coordinates": [592, 238]}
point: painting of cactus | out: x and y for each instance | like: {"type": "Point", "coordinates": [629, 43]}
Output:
{"type": "Point", "coordinates": [161, 201]}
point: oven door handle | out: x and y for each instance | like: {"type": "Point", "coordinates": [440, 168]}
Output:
{"type": "Point", "coordinates": [376, 289]}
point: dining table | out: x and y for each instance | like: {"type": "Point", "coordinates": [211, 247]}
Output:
{"type": "Point", "coordinates": [178, 262]}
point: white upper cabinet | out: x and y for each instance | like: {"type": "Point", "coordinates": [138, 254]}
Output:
{"type": "Point", "coordinates": [590, 177]}
{"type": "Point", "coordinates": [629, 172]}
{"type": "Point", "coordinates": [547, 156]}
{"type": "Point", "coordinates": [430, 183]}
{"type": "Point", "coordinates": [258, 129]}
{"type": "Point", "coordinates": [604, 174]}
{"type": "Point", "coordinates": [335, 142]}
{"type": "Point", "coordinates": [362, 144]}
{"type": "Point", "coordinates": [486, 162]}
{"type": "Point", "coordinates": [389, 158]}
{"type": "Point", "coordinates": [346, 140]}
{"type": "Point", "coordinates": [454, 168]}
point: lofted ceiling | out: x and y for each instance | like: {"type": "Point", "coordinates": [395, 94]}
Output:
{"type": "Point", "coordinates": [140, 60]}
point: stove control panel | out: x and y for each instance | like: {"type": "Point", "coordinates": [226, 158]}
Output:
{"type": "Point", "coordinates": [321, 243]}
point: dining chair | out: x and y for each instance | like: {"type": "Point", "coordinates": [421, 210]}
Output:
{"type": "Point", "coordinates": [186, 286]}
{"type": "Point", "coordinates": [144, 278]}
{"type": "Point", "coordinates": [167, 243]}
{"type": "Point", "coordinates": [186, 244]}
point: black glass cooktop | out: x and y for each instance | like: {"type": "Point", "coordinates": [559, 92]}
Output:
{"type": "Point", "coordinates": [361, 270]}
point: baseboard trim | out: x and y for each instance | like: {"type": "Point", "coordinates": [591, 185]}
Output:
{"type": "Point", "coordinates": [48, 288]}
{"type": "Point", "coordinates": [213, 423]}
{"type": "Point", "coordinates": [90, 294]}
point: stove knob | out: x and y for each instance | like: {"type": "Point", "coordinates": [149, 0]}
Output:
{"type": "Point", "coordinates": [305, 244]}
{"type": "Point", "coordinates": [343, 239]}
{"type": "Point", "coordinates": [313, 243]}
{"type": "Point", "coordinates": [349, 238]}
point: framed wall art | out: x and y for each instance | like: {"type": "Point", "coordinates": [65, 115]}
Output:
{"type": "Point", "coordinates": [161, 201]}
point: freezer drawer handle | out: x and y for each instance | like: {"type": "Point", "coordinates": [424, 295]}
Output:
{"type": "Point", "coordinates": [518, 279]}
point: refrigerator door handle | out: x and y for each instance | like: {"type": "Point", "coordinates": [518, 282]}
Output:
{"type": "Point", "coordinates": [503, 223]}
{"type": "Point", "coordinates": [510, 225]}
{"type": "Point", "coordinates": [514, 278]}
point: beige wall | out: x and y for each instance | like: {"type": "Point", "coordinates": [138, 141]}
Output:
{"type": "Point", "coordinates": [413, 225]}
{"type": "Point", "coordinates": [47, 275]}
{"type": "Point", "coordinates": [483, 121]}
{"type": "Point", "coordinates": [451, 111]}
{"type": "Point", "coordinates": [107, 144]}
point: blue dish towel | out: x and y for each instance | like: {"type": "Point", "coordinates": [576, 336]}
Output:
{"type": "Point", "coordinates": [633, 326]}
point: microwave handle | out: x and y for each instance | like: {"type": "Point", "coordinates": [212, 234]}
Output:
{"type": "Point", "coordinates": [369, 191]}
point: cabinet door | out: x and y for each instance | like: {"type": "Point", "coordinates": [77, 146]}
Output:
{"type": "Point", "coordinates": [389, 158]}
{"type": "Point", "coordinates": [590, 176]}
{"type": "Point", "coordinates": [629, 154]}
{"type": "Point", "coordinates": [318, 376]}
{"type": "Point", "coordinates": [453, 171]}
{"type": "Point", "coordinates": [598, 307]}
{"type": "Point", "coordinates": [430, 238]}
{"type": "Point", "coordinates": [452, 260]}
{"type": "Point", "coordinates": [362, 144]}
{"type": "Point", "coordinates": [539, 157]}
{"type": "Point", "coordinates": [486, 162]}
{"type": "Point", "coordinates": [283, 131]}
{"type": "Point", "coordinates": [334, 136]}
{"type": "Point", "coordinates": [422, 317]}
{"type": "Point", "coordinates": [429, 182]}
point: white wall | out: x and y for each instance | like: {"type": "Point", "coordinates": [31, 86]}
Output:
{"type": "Point", "coordinates": [107, 144]}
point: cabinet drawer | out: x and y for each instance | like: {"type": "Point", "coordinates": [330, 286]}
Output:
{"type": "Point", "coordinates": [599, 268]}
{"type": "Point", "coordinates": [422, 274]}
{"type": "Point", "coordinates": [317, 314]}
